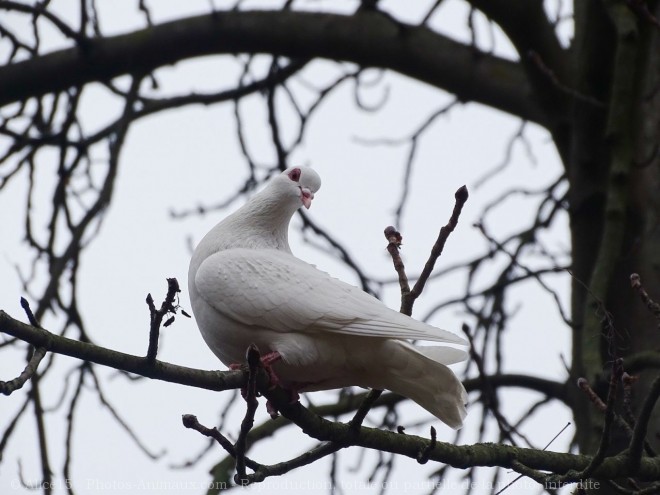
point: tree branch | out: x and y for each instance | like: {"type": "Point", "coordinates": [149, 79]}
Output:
{"type": "Point", "coordinates": [366, 38]}
{"type": "Point", "coordinates": [7, 388]}
{"type": "Point", "coordinates": [461, 197]}
{"type": "Point", "coordinates": [486, 454]}
{"type": "Point", "coordinates": [227, 380]}
{"type": "Point", "coordinates": [156, 316]}
{"type": "Point", "coordinates": [211, 380]}
{"type": "Point", "coordinates": [339, 433]}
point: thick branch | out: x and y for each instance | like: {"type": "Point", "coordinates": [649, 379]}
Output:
{"type": "Point", "coordinates": [528, 27]}
{"type": "Point", "coordinates": [542, 57]}
{"type": "Point", "coordinates": [457, 456]}
{"type": "Point", "coordinates": [368, 39]}
{"type": "Point", "coordinates": [211, 380]}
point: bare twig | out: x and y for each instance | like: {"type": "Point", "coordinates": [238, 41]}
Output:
{"type": "Point", "coordinates": [544, 448]}
{"type": "Point", "coordinates": [393, 246]}
{"type": "Point", "coordinates": [253, 361]}
{"type": "Point", "coordinates": [491, 402]}
{"type": "Point", "coordinates": [423, 456]}
{"type": "Point", "coordinates": [11, 426]}
{"type": "Point", "coordinates": [28, 311]}
{"type": "Point", "coordinates": [639, 432]}
{"type": "Point", "coordinates": [7, 388]}
{"type": "Point", "coordinates": [461, 197]}
{"type": "Point", "coordinates": [508, 154]}
{"type": "Point", "coordinates": [157, 315]}
{"type": "Point", "coordinates": [190, 421]}
{"type": "Point", "coordinates": [341, 250]}
{"type": "Point", "coordinates": [394, 239]}
{"type": "Point", "coordinates": [615, 377]}
{"type": "Point", "coordinates": [132, 433]}
{"type": "Point", "coordinates": [366, 405]}
{"type": "Point", "coordinates": [653, 307]}
{"type": "Point", "coordinates": [641, 9]}
{"type": "Point", "coordinates": [536, 59]}
{"type": "Point", "coordinates": [322, 450]}
{"type": "Point", "coordinates": [583, 384]}
{"type": "Point", "coordinates": [413, 139]}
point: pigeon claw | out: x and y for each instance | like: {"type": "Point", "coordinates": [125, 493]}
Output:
{"type": "Point", "coordinates": [294, 397]}
{"type": "Point", "coordinates": [272, 410]}
{"type": "Point", "coordinates": [267, 361]}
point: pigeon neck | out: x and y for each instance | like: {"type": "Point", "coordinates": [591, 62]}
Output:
{"type": "Point", "coordinates": [267, 219]}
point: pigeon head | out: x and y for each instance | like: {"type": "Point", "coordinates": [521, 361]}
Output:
{"type": "Point", "coordinates": [297, 184]}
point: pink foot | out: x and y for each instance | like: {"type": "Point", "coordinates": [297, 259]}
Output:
{"type": "Point", "coordinates": [266, 361]}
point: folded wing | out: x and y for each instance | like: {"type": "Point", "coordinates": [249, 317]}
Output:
{"type": "Point", "coordinates": [272, 289]}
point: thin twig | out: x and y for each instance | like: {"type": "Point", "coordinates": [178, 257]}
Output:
{"type": "Point", "coordinates": [652, 306]}
{"type": "Point", "coordinates": [536, 59]}
{"type": "Point", "coordinates": [394, 240]}
{"type": "Point", "coordinates": [544, 448]}
{"type": "Point", "coordinates": [190, 421]}
{"type": "Point", "coordinates": [322, 450]}
{"type": "Point", "coordinates": [639, 432]}
{"type": "Point", "coordinates": [28, 311]}
{"type": "Point", "coordinates": [597, 460]}
{"type": "Point", "coordinates": [364, 408]}
{"type": "Point", "coordinates": [393, 245]}
{"type": "Point", "coordinates": [423, 456]}
{"type": "Point", "coordinates": [132, 433]}
{"type": "Point", "coordinates": [491, 403]}
{"type": "Point", "coordinates": [461, 197]}
{"type": "Point", "coordinates": [156, 316]}
{"type": "Point", "coordinates": [253, 360]}
{"type": "Point", "coordinates": [583, 384]}
{"type": "Point", "coordinates": [7, 388]}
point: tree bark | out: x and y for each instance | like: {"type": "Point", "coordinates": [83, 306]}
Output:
{"type": "Point", "coordinates": [613, 176]}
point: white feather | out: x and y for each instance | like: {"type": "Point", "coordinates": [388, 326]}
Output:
{"type": "Point", "coordinates": [246, 287]}
{"type": "Point", "coordinates": [268, 288]}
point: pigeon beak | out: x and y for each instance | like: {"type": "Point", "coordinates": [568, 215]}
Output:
{"type": "Point", "coordinates": [306, 196]}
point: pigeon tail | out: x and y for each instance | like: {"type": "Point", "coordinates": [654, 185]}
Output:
{"type": "Point", "coordinates": [426, 380]}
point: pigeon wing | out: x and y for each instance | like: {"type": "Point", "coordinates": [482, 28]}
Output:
{"type": "Point", "coordinates": [272, 289]}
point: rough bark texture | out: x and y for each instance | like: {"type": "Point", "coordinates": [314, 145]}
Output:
{"type": "Point", "coordinates": [613, 170]}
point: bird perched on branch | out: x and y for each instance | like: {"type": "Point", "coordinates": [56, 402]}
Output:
{"type": "Point", "coordinates": [315, 331]}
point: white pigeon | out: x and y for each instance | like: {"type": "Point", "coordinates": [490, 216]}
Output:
{"type": "Point", "coordinates": [318, 332]}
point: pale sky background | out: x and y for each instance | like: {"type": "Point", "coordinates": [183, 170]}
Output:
{"type": "Point", "coordinates": [182, 158]}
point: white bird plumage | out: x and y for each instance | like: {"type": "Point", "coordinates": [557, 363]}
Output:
{"type": "Point", "coordinates": [246, 287]}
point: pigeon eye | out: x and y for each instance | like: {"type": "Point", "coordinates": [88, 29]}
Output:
{"type": "Point", "coordinates": [294, 175]}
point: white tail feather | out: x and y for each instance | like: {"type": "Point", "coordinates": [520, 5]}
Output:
{"type": "Point", "coordinates": [443, 355]}
{"type": "Point", "coordinates": [425, 379]}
